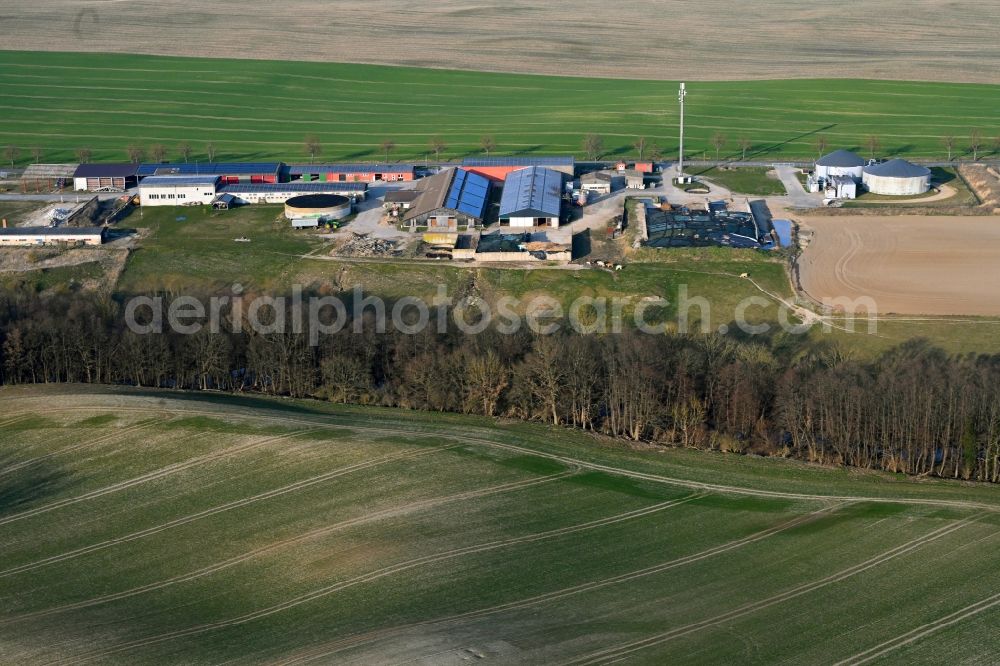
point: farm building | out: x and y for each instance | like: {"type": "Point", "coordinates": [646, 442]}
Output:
{"type": "Point", "coordinates": [510, 247]}
{"type": "Point", "coordinates": [598, 182]}
{"type": "Point", "coordinates": [400, 199]}
{"type": "Point", "coordinates": [840, 163]}
{"type": "Point", "coordinates": [841, 187]}
{"type": "Point", "coordinates": [363, 173]}
{"type": "Point", "coordinates": [48, 176]}
{"type": "Point", "coordinates": [105, 177]}
{"type": "Point", "coordinates": [315, 209]}
{"type": "Point", "coordinates": [178, 190]}
{"type": "Point", "coordinates": [644, 167]}
{"type": "Point", "coordinates": [532, 197]}
{"type": "Point", "coordinates": [32, 236]}
{"type": "Point", "coordinates": [228, 172]}
{"type": "Point", "coordinates": [634, 180]}
{"type": "Point", "coordinates": [279, 193]}
{"type": "Point", "coordinates": [450, 199]}
{"type": "Point", "coordinates": [897, 177]}
{"type": "Point", "coordinates": [498, 168]}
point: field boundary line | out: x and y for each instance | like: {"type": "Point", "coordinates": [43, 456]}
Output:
{"type": "Point", "coordinates": [383, 572]}
{"type": "Point", "coordinates": [611, 655]}
{"type": "Point", "coordinates": [330, 421]}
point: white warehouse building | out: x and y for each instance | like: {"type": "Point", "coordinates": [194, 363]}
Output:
{"type": "Point", "coordinates": [840, 163]}
{"type": "Point", "coordinates": [897, 177]}
{"type": "Point", "coordinates": [178, 190]}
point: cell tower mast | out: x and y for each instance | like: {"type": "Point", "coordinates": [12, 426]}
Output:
{"type": "Point", "coordinates": [680, 162]}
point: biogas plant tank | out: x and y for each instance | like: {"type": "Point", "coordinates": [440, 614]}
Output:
{"type": "Point", "coordinates": [318, 207]}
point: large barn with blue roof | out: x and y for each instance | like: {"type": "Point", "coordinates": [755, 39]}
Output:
{"type": "Point", "coordinates": [532, 197]}
{"type": "Point", "coordinates": [451, 199]}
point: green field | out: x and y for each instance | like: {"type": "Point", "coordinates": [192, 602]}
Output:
{"type": "Point", "coordinates": [146, 527]}
{"type": "Point", "coordinates": [744, 180]}
{"type": "Point", "coordinates": [263, 110]}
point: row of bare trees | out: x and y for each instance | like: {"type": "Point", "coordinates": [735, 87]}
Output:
{"type": "Point", "coordinates": [914, 409]}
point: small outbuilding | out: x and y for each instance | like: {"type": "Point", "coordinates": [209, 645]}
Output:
{"type": "Point", "coordinates": [897, 178]}
{"type": "Point", "coordinates": [598, 182]}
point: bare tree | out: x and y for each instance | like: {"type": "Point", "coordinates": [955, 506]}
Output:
{"type": "Point", "coordinates": [640, 146]}
{"type": "Point", "coordinates": [11, 152]}
{"type": "Point", "coordinates": [821, 145]}
{"type": "Point", "coordinates": [437, 146]}
{"type": "Point", "coordinates": [387, 147]}
{"type": "Point", "coordinates": [949, 143]}
{"type": "Point", "coordinates": [84, 154]}
{"type": "Point", "coordinates": [313, 147]}
{"type": "Point", "coordinates": [975, 143]}
{"type": "Point", "coordinates": [211, 151]}
{"type": "Point", "coordinates": [158, 152]}
{"type": "Point", "coordinates": [135, 153]}
{"type": "Point", "coordinates": [718, 141]}
{"type": "Point", "coordinates": [36, 154]}
{"type": "Point", "coordinates": [745, 145]}
{"type": "Point", "coordinates": [593, 146]}
{"type": "Point", "coordinates": [488, 143]}
{"type": "Point", "coordinates": [185, 150]}
{"type": "Point", "coordinates": [874, 144]}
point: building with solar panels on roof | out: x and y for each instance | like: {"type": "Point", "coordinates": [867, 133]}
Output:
{"type": "Point", "coordinates": [498, 168]}
{"type": "Point", "coordinates": [450, 200]}
{"type": "Point", "coordinates": [228, 172]}
{"type": "Point", "coordinates": [532, 197]}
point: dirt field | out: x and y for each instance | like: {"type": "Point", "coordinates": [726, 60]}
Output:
{"type": "Point", "coordinates": [945, 265]}
{"type": "Point", "coordinates": [696, 39]}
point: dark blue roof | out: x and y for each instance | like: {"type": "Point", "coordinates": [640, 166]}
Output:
{"type": "Point", "coordinates": [468, 193]}
{"type": "Point", "coordinates": [558, 160]}
{"type": "Point", "coordinates": [105, 171]}
{"type": "Point", "coordinates": [532, 192]}
{"type": "Point", "coordinates": [210, 169]}
{"type": "Point", "coordinates": [299, 169]}
{"type": "Point", "coordinates": [179, 181]}
{"type": "Point", "coordinates": [323, 188]}
{"type": "Point", "coordinates": [898, 168]}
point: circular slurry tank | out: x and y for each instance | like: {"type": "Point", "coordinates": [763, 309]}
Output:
{"type": "Point", "coordinates": [897, 178]}
{"type": "Point", "coordinates": [318, 207]}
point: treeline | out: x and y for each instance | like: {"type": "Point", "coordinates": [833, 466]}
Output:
{"type": "Point", "coordinates": [913, 409]}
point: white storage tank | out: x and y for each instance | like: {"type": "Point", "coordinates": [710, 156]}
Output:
{"type": "Point", "coordinates": [840, 163]}
{"type": "Point", "coordinates": [898, 178]}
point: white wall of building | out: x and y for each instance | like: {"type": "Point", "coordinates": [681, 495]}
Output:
{"type": "Point", "coordinates": [530, 222]}
{"type": "Point", "coordinates": [897, 186]}
{"type": "Point", "coordinates": [176, 195]}
{"type": "Point", "coordinates": [830, 171]}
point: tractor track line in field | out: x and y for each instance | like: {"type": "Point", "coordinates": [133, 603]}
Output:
{"type": "Point", "coordinates": [284, 543]}
{"type": "Point", "coordinates": [235, 504]}
{"type": "Point", "coordinates": [575, 462]}
{"type": "Point", "coordinates": [920, 632]}
{"type": "Point", "coordinates": [151, 476]}
{"type": "Point", "coordinates": [75, 447]}
{"type": "Point", "coordinates": [616, 653]}
{"type": "Point", "coordinates": [348, 643]}
{"type": "Point", "coordinates": [381, 573]}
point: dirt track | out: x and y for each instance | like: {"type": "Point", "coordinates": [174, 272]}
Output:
{"type": "Point", "coordinates": [706, 39]}
{"type": "Point", "coordinates": [946, 265]}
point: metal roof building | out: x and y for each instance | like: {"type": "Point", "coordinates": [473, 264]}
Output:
{"type": "Point", "coordinates": [532, 197]}
{"type": "Point", "coordinates": [498, 168]}
{"type": "Point", "coordinates": [897, 177]}
{"type": "Point", "coordinates": [178, 190]}
{"type": "Point", "coordinates": [105, 177]}
{"type": "Point", "coordinates": [230, 172]}
{"type": "Point", "coordinates": [450, 198]}
{"type": "Point", "coordinates": [246, 193]}
{"type": "Point", "coordinates": [51, 235]}
{"type": "Point", "coordinates": [369, 173]}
